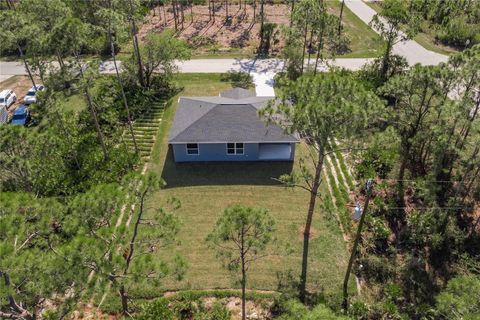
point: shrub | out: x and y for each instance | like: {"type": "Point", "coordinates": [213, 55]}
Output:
{"type": "Point", "coordinates": [460, 299]}
{"type": "Point", "coordinates": [457, 32]}
{"type": "Point", "coordinates": [218, 312]}
{"type": "Point", "coordinates": [202, 41]}
{"type": "Point", "coordinates": [157, 309]}
{"type": "Point", "coordinates": [238, 79]}
{"type": "Point", "coordinates": [377, 269]}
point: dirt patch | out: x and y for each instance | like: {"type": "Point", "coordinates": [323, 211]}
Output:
{"type": "Point", "coordinates": [238, 31]}
{"type": "Point", "coordinates": [20, 85]}
{"type": "Point", "coordinates": [313, 233]}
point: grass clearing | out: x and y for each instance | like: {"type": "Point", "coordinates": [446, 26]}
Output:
{"type": "Point", "coordinates": [365, 43]}
{"type": "Point", "coordinates": [206, 189]}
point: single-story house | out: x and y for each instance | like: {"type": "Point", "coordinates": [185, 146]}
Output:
{"type": "Point", "coordinates": [227, 128]}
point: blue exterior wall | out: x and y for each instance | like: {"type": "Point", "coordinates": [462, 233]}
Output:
{"type": "Point", "coordinates": [218, 152]}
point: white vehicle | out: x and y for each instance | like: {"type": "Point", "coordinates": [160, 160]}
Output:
{"type": "Point", "coordinates": [31, 96]}
{"type": "Point", "coordinates": [7, 98]}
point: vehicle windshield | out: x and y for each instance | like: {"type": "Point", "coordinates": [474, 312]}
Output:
{"type": "Point", "coordinates": [1, 100]}
{"type": "Point", "coordinates": [31, 93]}
{"type": "Point", "coordinates": [18, 117]}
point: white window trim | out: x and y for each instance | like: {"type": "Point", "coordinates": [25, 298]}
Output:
{"type": "Point", "coordinates": [192, 154]}
{"type": "Point", "coordinates": [235, 149]}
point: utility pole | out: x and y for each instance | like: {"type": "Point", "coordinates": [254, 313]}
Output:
{"type": "Point", "coordinates": [369, 185]}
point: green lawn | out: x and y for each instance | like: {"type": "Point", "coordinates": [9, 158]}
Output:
{"type": "Point", "coordinates": [364, 42]}
{"type": "Point", "coordinates": [426, 38]}
{"type": "Point", "coordinates": [206, 189]}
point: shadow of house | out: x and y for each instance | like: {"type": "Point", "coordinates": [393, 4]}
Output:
{"type": "Point", "coordinates": [189, 174]}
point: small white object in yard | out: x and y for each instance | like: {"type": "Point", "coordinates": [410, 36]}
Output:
{"type": "Point", "coordinates": [357, 212]}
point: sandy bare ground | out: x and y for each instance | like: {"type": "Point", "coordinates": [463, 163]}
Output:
{"type": "Point", "coordinates": [238, 31]}
{"type": "Point", "coordinates": [20, 85]}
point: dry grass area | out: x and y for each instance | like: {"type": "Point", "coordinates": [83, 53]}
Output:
{"type": "Point", "coordinates": [238, 36]}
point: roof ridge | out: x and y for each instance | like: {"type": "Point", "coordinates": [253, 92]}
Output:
{"type": "Point", "coordinates": [271, 124]}
{"type": "Point", "coordinates": [191, 124]}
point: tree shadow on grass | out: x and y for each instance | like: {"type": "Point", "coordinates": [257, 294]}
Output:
{"type": "Point", "coordinates": [222, 173]}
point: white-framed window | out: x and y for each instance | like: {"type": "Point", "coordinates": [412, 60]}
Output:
{"type": "Point", "coordinates": [192, 149]}
{"type": "Point", "coordinates": [235, 148]}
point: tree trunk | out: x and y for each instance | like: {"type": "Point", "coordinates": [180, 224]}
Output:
{"type": "Point", "coordinates": [22, 56]}
{"type": "Point", "coordinates": [319, 50]}
{"type": "Point", "coordinates": [254, 11]}
{"type": "Point", "coordinates": [165, 21]}
{"type": "Point", "coordinates": [304, 45]}
{"type": "Point", "coordinates": [124, 299]}
{"type": "Point", "coordinates": [175, 15]}
{"type": "Point", "coordinates": [191, 11]}
{"type": "Point", "coordinates": [309, 49]}
{"type": "Point", "coordinates": [14, 306]}
{"type": "Point", "coordinates": [136, 47]}
{"type": "Point", "coordinates": [119, 80]}
{"type": "Point", "coordinates": [93, 113]}
{"type": "Point", "coordinates": [262, 29]}
{"type": "Point", "coordinates": [355, 245]}
{"type": "Point", "coordinates": [67, 135]}
{"type": "Point", "coordinates": [226, 9]}
{"type": "Point", "coordinates": [386, 60]}
{"type": "Point", "coordinates": [183, 14]}
{"type": "Point", "coordinates": [306, 232]}
{"type": "Point", "coordinates": [213, 10]}
{"type": "Point", "coordinates": [244, 275]}
{"type": "Point", "coordinates": [123, 294]}
{"type": "Point", "coordinates": [209, 10]}
{"type": "Point", "coordinates": [291, 12]}
{"type": "Point", "coordinates": [340, 18]}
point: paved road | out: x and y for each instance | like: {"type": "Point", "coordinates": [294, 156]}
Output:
{"type": "Point", "coordinates": [207, 65]}
{"type": "Point", "coordinates": [262, 70]}
{"type": "Point", "coordinates": [411, 50]}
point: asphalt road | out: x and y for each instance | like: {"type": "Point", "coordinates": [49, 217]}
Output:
{"type": "Point", "coordinates": [12, 68]}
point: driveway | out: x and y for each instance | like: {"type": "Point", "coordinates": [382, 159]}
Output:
{"type": "Point", "coordinates": [411, 50]}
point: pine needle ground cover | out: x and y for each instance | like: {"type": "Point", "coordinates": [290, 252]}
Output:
{"type": "Point", "coordinates": [205, 190]}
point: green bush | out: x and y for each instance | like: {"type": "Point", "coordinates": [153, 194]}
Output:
{"type": "Point", "coordinates": [218, 312]}
{"type": "Point", "coordinates": [375, 268]}
{"type": "Point", "coordinates": [238, 79]}
{"type": "Point", "coordinates": [460, 299]}
{"type": "Point", "coordinates": [157, 309]}
{"type": "Point", "coordinates": [294, 310]}
{"type": "Point", "coordinates": [457, 32]}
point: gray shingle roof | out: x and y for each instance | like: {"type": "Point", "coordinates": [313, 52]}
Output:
{"type": "Point", "coordinates": [221, 119]}
{"type": "Point", "coordinates": [237, 93]}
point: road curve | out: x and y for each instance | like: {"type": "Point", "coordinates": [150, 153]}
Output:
{"type": "Point", "coordinates": [411, 50]}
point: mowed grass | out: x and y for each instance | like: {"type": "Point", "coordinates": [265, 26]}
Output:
{"type": "Point", "coordinates": [364, 42]}
{"type": "Point", "coordinates": [205, 190]}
